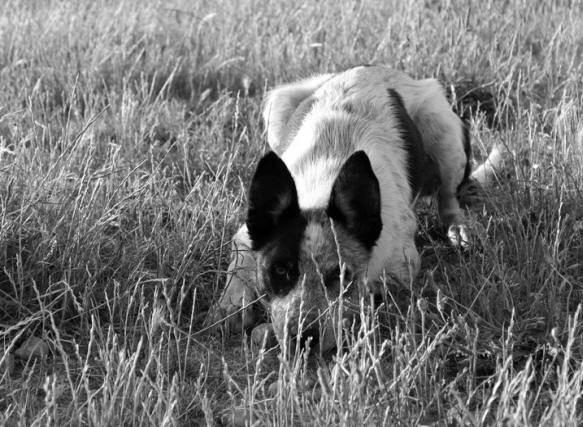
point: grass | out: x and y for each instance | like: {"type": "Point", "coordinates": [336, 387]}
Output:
{"type": "Point", "coordinates": [128, 133]}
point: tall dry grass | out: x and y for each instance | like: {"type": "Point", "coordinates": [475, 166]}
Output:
{"type": "Point", "coordinates": [128, 133]}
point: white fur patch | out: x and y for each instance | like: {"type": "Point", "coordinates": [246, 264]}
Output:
{"type": "Point", "coordinates": [314, 183]}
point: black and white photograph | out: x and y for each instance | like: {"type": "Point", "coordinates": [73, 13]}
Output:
{"type": "Point", "coordinates": [291, 213]}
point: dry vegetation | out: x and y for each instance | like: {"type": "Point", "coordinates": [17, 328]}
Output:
{"type": "Point", "coordinates": [128, 133]}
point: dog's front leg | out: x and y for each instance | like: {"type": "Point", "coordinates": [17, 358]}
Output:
{"type": "Point", "coordinates": [235, 308]}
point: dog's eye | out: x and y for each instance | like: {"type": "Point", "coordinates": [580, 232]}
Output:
{"type": "Point", "coordinates": [281, 269]}
{"type": "Point", "coordinates": [282, 277]}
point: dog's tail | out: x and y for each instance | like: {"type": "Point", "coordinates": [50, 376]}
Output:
{"type": "Point", "coordinates": [472, 191]}
{"type": "Point", "coordinates": [492, 168]}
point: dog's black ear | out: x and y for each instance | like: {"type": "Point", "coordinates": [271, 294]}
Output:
{"type": "Point", "coordinates": [355, 201]}
{"type": "Point", "coordinates": [273, 199]}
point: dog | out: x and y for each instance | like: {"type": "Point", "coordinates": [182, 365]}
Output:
{"type": "Point", "coordinates": [330, 208]}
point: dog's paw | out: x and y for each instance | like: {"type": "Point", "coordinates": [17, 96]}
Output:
{"type": "Point", "coordinates": [459, 236]}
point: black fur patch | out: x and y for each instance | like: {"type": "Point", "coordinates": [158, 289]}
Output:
{"type": "Point", "coordinates": [281, 257]}
{"type": "Point", "coordinates": [355, 201]}
{"type": "Point", "coordinates": [468, 151]}
{"type": "Point", "coordinates": [273, 200]}
{"type": "Point", "coordinates": [419, 166]}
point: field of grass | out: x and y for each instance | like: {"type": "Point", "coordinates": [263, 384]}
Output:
{"type": "Point", "coordinates": [128, 134]}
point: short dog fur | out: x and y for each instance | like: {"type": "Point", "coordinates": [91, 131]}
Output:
{"type": "Point", "coordinates": [330, 207]}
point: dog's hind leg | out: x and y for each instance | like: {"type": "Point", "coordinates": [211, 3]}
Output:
{"type": "Point", "coordinates": [446, 140]}
{"type": "Point", "coordinates": [235, 305]}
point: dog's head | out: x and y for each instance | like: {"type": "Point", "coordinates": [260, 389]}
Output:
{"type": "Point", "coordinates": [307, 257]}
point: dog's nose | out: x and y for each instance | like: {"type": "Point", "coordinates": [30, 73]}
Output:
{"type": "Point", "coordinates": [310, 335]}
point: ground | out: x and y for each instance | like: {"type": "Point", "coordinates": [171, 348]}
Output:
{"type": "Point", "coordinates": [128, 134]}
